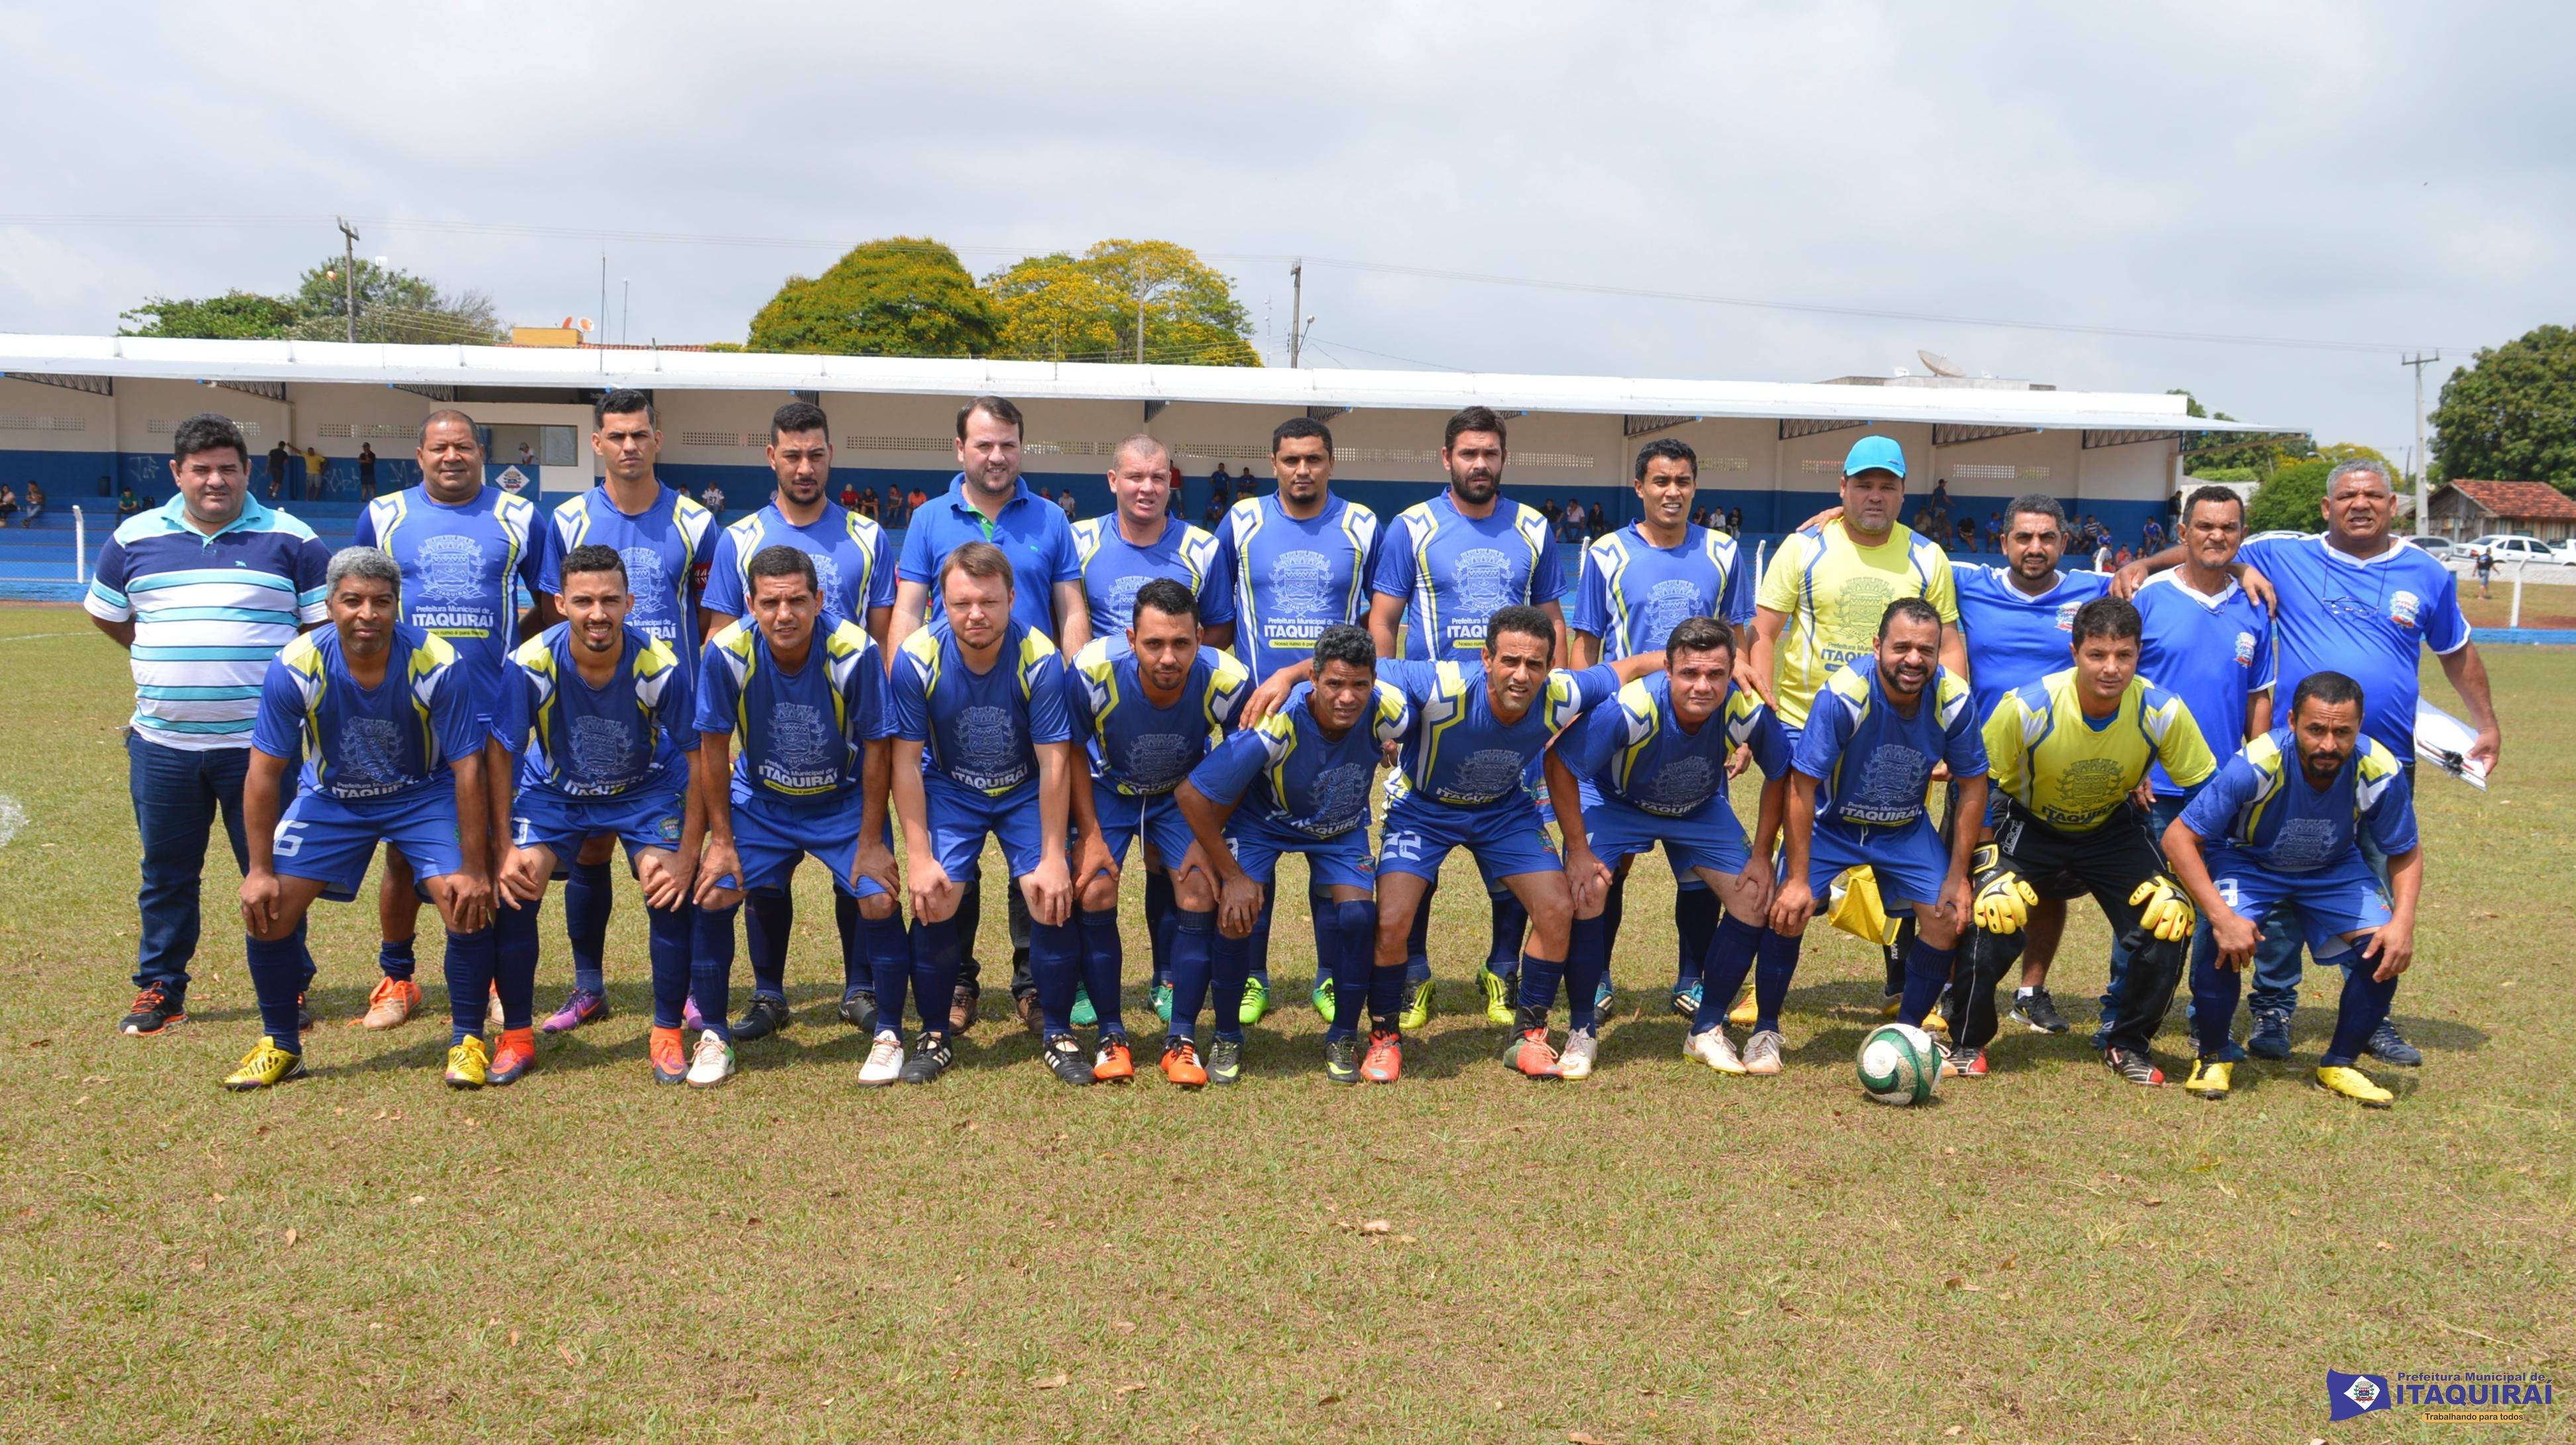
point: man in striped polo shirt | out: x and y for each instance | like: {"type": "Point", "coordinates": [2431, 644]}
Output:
{"type": "Point", "coordinates": [202, 592]}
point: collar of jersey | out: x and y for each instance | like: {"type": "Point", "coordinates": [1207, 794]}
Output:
{"type": "Point", "coordinates": [2174, 580]}
{"type": "Point", "coordinates": [2395, 550]}
{"type": "Point", "coordinates": [254, 517]}
{"type": "Point", "coordinates": [957, 496]}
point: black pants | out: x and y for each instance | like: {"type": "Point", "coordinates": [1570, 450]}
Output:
{"type": "Point", "coordinates": [2109, 863]}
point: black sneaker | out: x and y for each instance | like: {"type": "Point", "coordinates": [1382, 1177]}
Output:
{"type": "Point", "coordinates": [930, 1057]}
{"type": "Point", "coordinates": [858, 1010]}
{"type": "Point", "coordinates": [766, 1016]}
{"type": "Point", "coordinates": [2271, 1036]}
{"type": "Point", "coordinates": [303, 1016]}
{"type": "Point", "coordinates": [2390, 1047]}
{"type": "Point", "coordinates": [963, 1006]}
{"type": "Point", "coordinates": [1342, 1060]}
{"type": "Point", "coordinates": [1063, 1053]}
{"type": "Point", "coordinates": [2038, 1010]}
{"type": "Point", "coordinates": [1225, 1062]}
{"type": "Point", "coordinates": [2136, 1068]}
{"type": "Point", "coordinates": [155, 1009]}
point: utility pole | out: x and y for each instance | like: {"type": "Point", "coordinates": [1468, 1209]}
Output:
{"type": "Point", "coordinates": [625, 307]}
{"type": "Point", "coordinates": [602, 332]}
{"type": "Point", "coordinates": [1140, 325]}
{"type": "Point", "coordinates": [1296, 310]}
{"type": "Point", "coordinates": [349, 272]}
{"type": "Point", "coordinates": [2423, 522]}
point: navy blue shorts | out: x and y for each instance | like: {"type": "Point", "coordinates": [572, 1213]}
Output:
{"type": "Point", "coordinates": [1710, 838]}
{"type": "Point", "coordinates": [2342, 897]}
{"type": "Point", "coordinates": [1505, 837]}
{"type": "Point", "coordinates": [1157, 819]}
{"type": "Point", "coordinates": [772, 839]}
{"type": "Point", "coordinates": [1911, 861]}
{"type": "Point", "coordinates": [1339, 861]}
{"type": "Point", "coordinates": [960, 817]}
{"type": "Point", "coordinates": [648, 817]}
{"type": "Point", "coordinates": [325, 839]}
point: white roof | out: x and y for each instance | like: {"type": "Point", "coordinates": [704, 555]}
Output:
{"type": "Point", "coordinates": [508, 366]}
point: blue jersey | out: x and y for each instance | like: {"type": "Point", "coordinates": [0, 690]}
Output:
{"type": "Point", "coordinates": [2012, 637]}
{"type": "Point", "coordinates": [580, 741]}
{"type": "Point", "coordinates": [1113, 568]}
{"type": "Point", "coordinates": [1872, 762]}
{"type": "Point", "coordinates": [2369, 620]}
{"type": "Point", "coordinates": [979, 730]}
{"type": "Point", "coordinates": [1632, 592]}
{"type": "Point", "coordinates": [1292, 579]}
{"type": "Point", "coordinates": [1454, 571]}
{"type": "Point", "coordinates": [2261, 804]}
{"type": "Point", "coordinates": [1457, 752]}
{"type": "Point", "coordinates": [798, 737]}
{"type": "Point", "coordinates": [1283, 770]}
{"type": "Point", "coordinates": [462, 570]}
{"type": "Point", "coordinates": [1635, 751]}
{"type": "Point", "coordinates": [2214, 653]}
{"type": "Point", "coordinates": [662, 548]}
{"type": "Point", "coordinates": [1031, 531]}
{"type": "Point", "coordinates": [359, 744]}
{"type": "Point", "coordinates": [1140, 749]}
{"type": "Point", "coordinates": [852, 558]}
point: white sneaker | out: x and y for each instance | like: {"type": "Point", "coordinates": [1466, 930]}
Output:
{"type": "Point", "coordinates": [712, 1064]}
{"type": "Point", "coordinates": [1713, 1048]}
{"type": "Point", "coordinates": [492, 1015]}
{"type": "Point", "coordinates": [1575, 1060]}
{"type": "Point", "coordinates": [1762, 1052]}
{"type": "Point", "coordinates": [885, 1061]}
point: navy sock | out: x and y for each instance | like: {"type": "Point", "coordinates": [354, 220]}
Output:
{"type": "Point", "coordinates": [888, 952]}
{"type": "Point", "coordinates": [669, 934]}
{"type": "Point", "coordinates": [1104, 965]}
{"type": "Point", "coordinates": [1387, 987]}
{"type": "Point", "coordinates": [1511, 930]}
{"type": "Point", "coordinates": [1328, 939]}
{"type": "Point", "coordinates": [847, 922]}
{"type": "Point", "coordinates": [1586, 961]}
{"type": "Point", "coordinates": [1730, 957]}
{"type": "Point", "coordinates": [1614, 910]}
{"type": "Point", "coordinates": [394, 957]}
{"type": "Point", "coordinates": [711, 966]}
{"type": "Point", "coordinates": [514, 964]}
{"type": "Point", "coordinates": [1417, 939]}
{"type": "Point", "coordinates": [767, 918]}
{"type": "Point", "coordinates": [1055, 958]}
{"type": "Point", "coordinates": [1696, 912]}
{"type": "Point", "coordinates": [936, 948]}
{"type": "Point", "coordinates": [2363, 1009]}
{"type": "Point", "coordinates": [471, 960]}
{"type": "Point", "coordinates": [1258, 945]}
{"type": "Point", "coordinates": [1229, 964]}
{"type": "Point", "coordinates": [1355, 968]}
{"type": "Point", "coordinates": [2214, 993]}
{"type": "Point", "coordinates": [1159, 906]}
{"type": "Point", "coordinates": [277, 974]}
{"type": "Point", "coordinates": [586, 903]}
{"type": "Point", "coordinates": [1927, 972]}
{"type": "Point", "coordinates": [1775, 963]}
{"type": "Point", "coordinates": [969, 917]}
{"type": "Point", "coordinates": [1895, 954]}
{"type": "Point", "coordinates": [894, 974]}
{"type": "Point", "coordinates": [1538, 980]}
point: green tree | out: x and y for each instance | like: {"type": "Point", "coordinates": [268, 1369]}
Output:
{"type": "Point", "coordinates": [393, 305]}
{"type": "Point", "coordinates": [233, 316]}
{"type": "Point", "coordinates": [2207, 451]}
{"type": "Point", "coordinates": [1062, 307]}
{"type": "Point", "coordinates": [2292, 499]}
{"type": "Point", "coordinates": [2510, 414]}
{"type": "Point", "coordinates": [905, 296]}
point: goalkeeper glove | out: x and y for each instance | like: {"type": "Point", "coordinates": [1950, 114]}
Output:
{"type": "Point", "coordinates": [2003, 900]}
{"type": "Point", "coordinates": [2167, 913]}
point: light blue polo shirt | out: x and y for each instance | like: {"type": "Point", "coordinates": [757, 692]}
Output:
{"type": "Point", "coordinates": [1031, 531]}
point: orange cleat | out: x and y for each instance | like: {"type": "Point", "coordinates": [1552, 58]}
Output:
{"type": "Point", "coordinates": [1384, 1061]}
{"type": "Point", "coordinates": [1528, 1053]}
{"type": "Point", "coordinates": [1181, 1065]}
{"type": "Point", "coordinates": [391, 1005]}
{"type": "Point", "coordinates": [517, 1055]}
{"type": "Point", "coordinates": [1115, 1063]}
{"type": "Point", "coordinates": [670, 1056]}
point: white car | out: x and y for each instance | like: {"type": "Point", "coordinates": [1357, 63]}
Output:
{"type": "Point", "coordinates": [2506, 547]}
{"type": "Point", "coordinates": [2442, 549]}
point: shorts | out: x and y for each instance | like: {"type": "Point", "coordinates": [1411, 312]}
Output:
{"type": "Point", "coordinates": [648, 817]}
{"type": "Point", "coordinates": [960, 817]}
{"type": "Point", "coordinates": [1505, 837]}
{"type": "Point", "coordinates": [771, 840]}
{"type": "Point", "coordinates": [1336, 862]}
{"type": "Point", "coordinates": [1710, 838]}
{"type": "Point", "coordinates": [2342, 897]}
{"type": "Point", "coordinates": [1158, 818]}
{"type": "Point", "coordinates": [324, 839]}
{"type": "Point", "coordinates": [1910, 860]}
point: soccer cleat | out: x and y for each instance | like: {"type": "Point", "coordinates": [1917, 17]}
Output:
{"type": "Point", "coordinates": [511, 1061]}
{"type": "Point", "coordinates": [885, 1061]}
{"type": "Point", "coordinates": [391, 1005]}
{"type": "Point", "coordinates": [1602, 998]}
{"type": "Point", "coordinates": [1116, 1061]}
{"type": "Point", "coordinates": [1322, 998]}
{"type": "Point", "coordinates": [931, 1057]}
{"type": "Point", "coordinates": [468, 1066]}
{"type": "Point", "coordinates": [496, 1019]}
{"type": "Point", "coordinates": [1527, 1052]}
{"type": "Point", "coordinates": [1084, 1015]}
{"type": "Point", "coordinates": [1582, 1047]}
{"type": "Point", "coordinates": [1162, 1002]}
{"type": "Point", "coordinates": [1256, 1001]}
{"type": "Point", "coordinates": [2355, 1085]}
{"type": "Point", "coordinates": [155, 1009]}
{"type": "Point", "coordinates": [1500, 996]}
{"type": "Point", "coordinates": [1032, 1017]}
{"type": "Point", "coordinates": [2209, 1078]}
{"type": "Point", "coordinates": [1685, 1001]}
{"type": "Point", "coordinates": [1933, 1022]}
{"type": "Point", "coordinates": [1713, 1048]}
{"type": "Point", "coordinates": [859, 1009]}
{"type": "Point", "coordinates": [1963, 1062]}
{"type": "Point", "coordinates": [581, 1006]}
{"type": "Point", "coordinates": [1342, 1061]}
{"type": "Point", "coordinates": [712, 1064]}
{"type": "Point", "coordinates": [1747, 1013]}
{"type": "Point", "coordinates": [1063, 1054]}
{"type": "Point", "coordinates": [690, 1018]}
{"type": "Point", "coordinates": [1384, 1061]}
{"type": "Point", "coordinates": [2135, 1067]}
{"type": "Point", "coordinates": [2039, 1011]}
{"type": "Point", "coordinates": [963, 1007]}
{"type": "Point", "coordinates": [1417, 1005]}
{"type": "Point", "coordinates": [1890, 1003]}
{"type": "Point", "coordinates": [2390, 1047]}
{"type": "Point", "coordinates": [1225, 1062]}
{"type": "Point", "coordinates": [1762, 1052]}
{"type": "Point", "coordinates": [264, 1067]}
{"type": "Point", "coordinates": [2271, 1036]}
{"type": "Point", "coordinates": [1181, 1063]}
{"type": "Point", "coordinates": [670, 1055]}
{"type": "Point", "coordinates": [764, 1017]}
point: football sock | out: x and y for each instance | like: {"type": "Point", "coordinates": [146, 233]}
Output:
{"type": "Point", "coordinates": [277, 974]}
{"type": "Point", "coordinates": [1104, 964]}
{"type": "Point", "coordinates": [767, 918]}
{"type": "Point", "coordinates": [514, 962]}
{"type": "Point", "coordinates": [1730, 957]}
{"type": "Point", "coordinates": [1927, 972]}
{"type": "Point", "coordinates": [669, 939]}
{"type": "Point", "coordinates": [1696, 912]}
{"type": "Point", "coordinates": [1538, 980]}
{"type": "Point", "coordinates": [1511, 929]}
{"type": "Point", "coordinates": [1586, 960]}
{"type": "Point", "coordinates": [846, 922]}
{"type": "Point", "coordinates": [969, 917]}
{"type": "Point", "coordinates": [1229, 964]}
{"type": "Point", "coordinates": [2363, 1009]}
{"type": "Point", "coordinates": [888, 953]}
{"type": "Point", "coordinates": [2214, 992]}
{"type": "Point", "coordinates": [1158, 913]}
{"type": "Point", "coordinates": [394, 957]}
{"type": "Point", "coordinates": [1055, 958]}
{"type": "Point", "coordinates": [1417, 940]}
{"type": "Point", "coordinates": [586, 902]}
{"type": "Point", "coordinates": [711, 967]}
{"type": "Point", "coordinates": [471, 958]}
{"type": "Point", "coordinates": [1894, 955]}
{"type": "Point", "coordinates": [1775, 962]}
{"type": "Point", "coordinates": [1355, 968]}
{"type": "Point", "coordinates": [1328, 937]}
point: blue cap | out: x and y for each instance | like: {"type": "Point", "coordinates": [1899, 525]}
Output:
{"type": "Point", "coordinates": [1875, 454]}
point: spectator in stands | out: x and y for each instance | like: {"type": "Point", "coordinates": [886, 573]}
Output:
{"type": "Point", "coordinates": [1967, 535]}
{"type": "Point", "coordinates": [366, 471]}
{"type": "Point", "coordinates": [850, 497]}
{"type": "Point", "coordinates": [1994, 531]}
{"type": "Point", "coordinates": [1735, 521]}
{"type": "Point", "coordinates": [912, 501]}
{"type": "Point", "coordinates": [1215, 514]}
{"type": "Point", "coordinates": [2120, 558]}
{"type": "Point", "coordinates": [8, 503]}
{"type": "Point", "coordinates": [1221, 484]}
{"type": "Point", "coordinates": [713, 497]}
{"type": "Point", "coordinates": [127, 504]}
{"type": "Point", "coordinates": [1064, 499]}
{"type": "Point", "coordinates": [312, 472]}
{"type": "Point", "coordinates": [2152, 535]}
{"type": "Point", "coordinates": [278, 456]}
{"type": "Point", "coordinates": [35, 502]}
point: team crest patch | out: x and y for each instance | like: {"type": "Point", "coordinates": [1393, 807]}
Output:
{"type": "Point", "coordinates": [669, 828]}
{"type": "Point", "coordinates": [2245, 649]}
{"type": "Point", "coordinates": [1483, 577]}
{"type": "Point", "coordinates": [451, 569]}
{"type": "Point", "coordinates": [1301, 584]}
{"type": "Point", "coordinates": [2066, 615]}
{"type": "Point", "coordinates": [2403, 607]}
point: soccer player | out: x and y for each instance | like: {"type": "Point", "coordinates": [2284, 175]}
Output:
{"type": "Point", "coordinates": [2256, 845]}
{"type": "Point", "coordinates": [797, 697]}
{"type": "Point", "coordinates": [2065, 753]}
{"type": "Point", "coordinates": [1145, 711]}
{"type": "Point", "coordinates": [1870, 739]}
{"type": "Point", "coordinates": [854, 563]}
{"type": "Point", "coordinates": [1298, 782]}
{"type": "Point", "coordinates": [1636, 584]}
{"type": "Point", "coordinates": [392, 751]}
{"type": "Point", "coordinates": [1446, 567]}
{"type": "Point", "coordinates": [662, 536]}
{"type": "Point", "coordinates": [987, 502]}
{"type": "Point", "coordinates": [1650, 766]}
{"type": "Point", "coordinates": [601, 719]}
{"type": "Point", "coordinates": [983, 746]}
{"type": "Point", "coordinates": [465, 550]}
{"type": "Point", "coordinates": [1300, 562]}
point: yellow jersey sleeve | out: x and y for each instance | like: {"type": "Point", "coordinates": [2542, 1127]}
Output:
{"type": "Point", "coordinates": [2179, 743]}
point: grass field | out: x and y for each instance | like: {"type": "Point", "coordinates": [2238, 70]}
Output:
{"type": "Point", "coordinates": [1658, 1254]}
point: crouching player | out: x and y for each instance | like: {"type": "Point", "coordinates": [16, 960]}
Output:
{"type": "Point", "coordinates": [1145, 712]}
{"type": "Point", "coordinates": [2257, 840]}
{"type": "Point", "coordinates": [1296, 782]}
{"type": "Point", "coordinates": [392, 752]}
{"type": "Point", "coordinates": [1856, 784]}
{"type": "Point", "coordinates": [797, 696]}
{"type": "Point", "coordinates": [601, 719]}
{"type": "Point", "coordinates": [1651, 766]}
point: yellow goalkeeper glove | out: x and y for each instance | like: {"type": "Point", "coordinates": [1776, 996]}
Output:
{"type": "Point", "coordinates": [2003, 900]}
{"type": "Point", "coordinates": [2167, 913]}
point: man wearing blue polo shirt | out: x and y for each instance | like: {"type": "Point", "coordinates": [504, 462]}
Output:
{"type": "Point", "coordinates": [987, 502]}
{"type": "Point", "coordinates": [202, 592]}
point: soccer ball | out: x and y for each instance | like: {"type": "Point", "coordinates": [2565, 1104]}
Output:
{"type": "Point", "coordinates": [1899, 1064]}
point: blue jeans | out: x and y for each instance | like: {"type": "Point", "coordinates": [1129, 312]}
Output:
{"type": "Point", "coordinates": [177, 794]}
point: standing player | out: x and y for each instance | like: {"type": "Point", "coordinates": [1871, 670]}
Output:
{"type": "Point", "coordinates": [602, 720]}
{"type": "Point", "coordinates": [1861, 762]}
{"type": "Point", "coordinates": [2066, 753]}
{"type": "Point", "coordinates": [392, 752]}
{"type": "Point", "coordinates": [465, 550]}
{"type": "Point", "coordinates": [1298, 782]}
{"type": "Point", "coordinates": [982, 746]}
{"type": "Point", "coordinates": [854, 563]}
{"type": "Point", "coordinates": [1145, 711]}
{"type": "Point", "coordinates": [1636, 585]}
{"type": "Point", "coordinates": [2255, 845]}
{"type": "Point", "coordinates": [663, 538]}
{"type": "Point", "coordinates": [1446, 567]}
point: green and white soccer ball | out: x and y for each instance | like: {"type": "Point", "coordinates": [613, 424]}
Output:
{"type": "Point", "coordinates": [1899, 1064]}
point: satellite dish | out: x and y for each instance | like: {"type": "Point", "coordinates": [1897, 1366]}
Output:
{"type": "Point", "coordinates": [1941, 365]}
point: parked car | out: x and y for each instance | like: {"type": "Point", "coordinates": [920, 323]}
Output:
{"type": "Point", "coordinates": [2518, 549]}
{"type": "Point", "coordinates": [2442, 548]}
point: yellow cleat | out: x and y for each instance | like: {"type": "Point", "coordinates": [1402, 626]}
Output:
{"type": "Point", "coordinates": [265, 1067]}
{"type": "Point", "coordinates": [468, 1066]}
{"type": "Point", "coordinates": [1746, 1012]}
{"type": "Point", "coordinates": [2209, 1078]}
{"type": "Point", "coordinates": [2355, 1085]}
{"type": "Point", "coordinates": [1933, 1023]}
